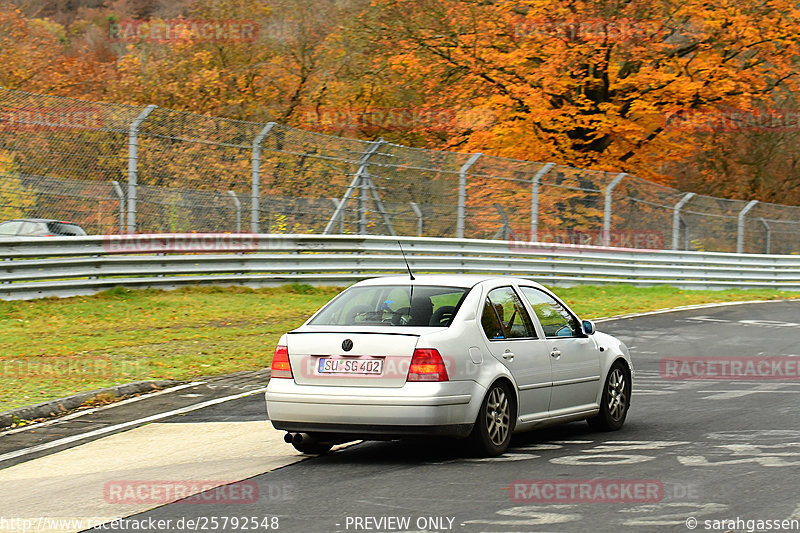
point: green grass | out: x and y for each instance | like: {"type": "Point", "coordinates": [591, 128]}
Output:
{"type": "Point", "coordinates": [55, 347]}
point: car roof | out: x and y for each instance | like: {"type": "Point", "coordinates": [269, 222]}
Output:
{"type": "Point", "coordinates": [443, 280]}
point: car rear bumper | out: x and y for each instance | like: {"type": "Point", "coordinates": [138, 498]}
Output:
{"type": "Point", "coordinates": [443, 409]}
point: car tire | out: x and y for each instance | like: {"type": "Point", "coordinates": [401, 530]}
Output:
{"type": "Point", "coordinates": [615, 401]}
{"type": "Point", "coordinates": [492, 431]}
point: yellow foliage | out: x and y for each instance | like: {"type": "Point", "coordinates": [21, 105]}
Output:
{"type": "Point", "coordinates": [15, 199]}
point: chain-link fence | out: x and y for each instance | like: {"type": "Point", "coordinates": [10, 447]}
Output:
{"type": "Point", "coordinates": [122, 169]}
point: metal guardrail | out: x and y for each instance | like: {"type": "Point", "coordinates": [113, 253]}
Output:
{"type": "Point", "coordinates": [36, 268]}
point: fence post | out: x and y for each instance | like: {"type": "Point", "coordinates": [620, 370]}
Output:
{"type": "Point", "coordinates": [359, 183]}
{"type": "Point", "coordinates": [686, 242]}
{"type": "Point", "coordinates": [121, 197]}
{"type": "Point", "coordinates": [133, 164]}
{"type": "Point", "coordinates": [238, 206]}
{"type": "Point", "coordinates": [256, 182]}
{"type": "Point", "coordinates": [418, 212]}
{"type": "Point", "coordinates": [769, 234]}
{"type": "Point", "coordinates": [535, 183]}
{"type": "Point", "coordinates": [607, 212]}
{"type": "Point", "coordinates": [740, 233]}
{"type": "Point", "coordinates": [367, 182]}
{"type": "Point", "coordinates": [462, 195]}
{"type": "Point", "coordinates": [676, 219]}
{"type": "Point", "coordinates": [506, 231]}
{"type": "Point", "coordinates": [341, 215]}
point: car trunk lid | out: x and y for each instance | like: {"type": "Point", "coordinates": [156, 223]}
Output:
{"type": "Point", "coordinates": [347, 358]}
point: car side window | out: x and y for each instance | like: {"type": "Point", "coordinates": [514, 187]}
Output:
{"type": "Point", "coordinates": [555, 319]}
{"type": "Point", "coordinates": [509, 314]}
{"type": "Point", "coordinates": [33, 229]}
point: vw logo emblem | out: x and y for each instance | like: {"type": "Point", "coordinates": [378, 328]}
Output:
{"type": "Point", "coordinates": [347, 345]}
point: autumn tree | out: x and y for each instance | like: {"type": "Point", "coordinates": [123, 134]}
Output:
{"type": "Point", "coordinates": [268, 75]}
{"type": "Point", "coordinates": [745, 155]}
{"type": "Point", "coordinates": [16, 200]}
{"type": "Point", "coordinates": [38, 56]}
{"type": "Point", "coordinates": [590, 84]}
{"type": "Point", "coordinates": [603, 85]}
{"type": "Point", "coordinates": [586, 84]}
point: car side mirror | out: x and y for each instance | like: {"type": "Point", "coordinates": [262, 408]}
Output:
{"type": "Point", "coordinates": [588, 327]}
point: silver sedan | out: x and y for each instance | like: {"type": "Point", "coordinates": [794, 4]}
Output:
{"type": "Point", "coordinates": [469, 357]}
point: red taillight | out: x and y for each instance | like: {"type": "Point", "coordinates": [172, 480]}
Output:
{"type": "Point", "coordinates": [281, 367]}
{"type": "Point", "coordinates": [427, 365]}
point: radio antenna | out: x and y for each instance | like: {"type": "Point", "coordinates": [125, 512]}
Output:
{"type": "Point", "coordinates": [410, 275]}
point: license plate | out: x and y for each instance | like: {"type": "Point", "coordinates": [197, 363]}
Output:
{"type": "Point", "coordinates": [350, 366]}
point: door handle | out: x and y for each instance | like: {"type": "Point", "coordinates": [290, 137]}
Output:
{"type": "Point", "coordinates": [555, 353]}
{"type": "Point", "coordinates": [508, 356]}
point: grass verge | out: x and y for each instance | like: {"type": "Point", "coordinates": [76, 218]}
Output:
{"type": "Point", "coordinates": [51, 348]}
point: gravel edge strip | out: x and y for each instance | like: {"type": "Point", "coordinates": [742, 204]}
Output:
{"type": "Point", "coordinates": [63, 406]}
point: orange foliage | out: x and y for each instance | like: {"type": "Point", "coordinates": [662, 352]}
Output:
{"type": "Point", "coordinates": [586, 83]}
{"type": "Point", "coordinates": [594, 84]}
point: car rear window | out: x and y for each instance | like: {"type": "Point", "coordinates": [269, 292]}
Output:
{"type": "Point", "coordinates": [393, 305]}
{"type": "Point", "coordinates": [10, 228]}
{"type": "Point", "coordinates": [61, 228]}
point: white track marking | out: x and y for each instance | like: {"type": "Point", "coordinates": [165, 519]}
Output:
{"type": "Point", "coordinates": [686, 308]}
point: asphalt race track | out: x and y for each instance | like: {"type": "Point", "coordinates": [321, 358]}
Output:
{"type": "Point", "coordinates": [693, 453]}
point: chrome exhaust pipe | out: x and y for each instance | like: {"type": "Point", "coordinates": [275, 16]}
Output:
{"type": "Point", "coordinates": [288, 438]}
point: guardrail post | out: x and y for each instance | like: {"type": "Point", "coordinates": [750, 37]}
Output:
{"type": "Point", "coordinates": [238, 206]}
{"type": "Point", "coordinates": [358, 183]}
{"type": "Point", "coordinates": [7, 258]}
{"type": "Point", "coordinates": [535, 183]}
{"type": "Point", "coordinates": [256, 181]}
{"type": "Point", "coordinates": [418, 212]}
{"type": "Point", "coordinates": [461, 217]}
{"type": "Point", "coordinates": [676, 219]}
{"type": "Point", "coordinates": [607, 212]}
{"type": "Point", "coordinates": [121, 197]}
{"type": "Point", "coordinates": [133, 164]}
{"type": "Point", "coordinates": [740, 233]}
{"type": "Point", "coordinates": [769, 235]}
